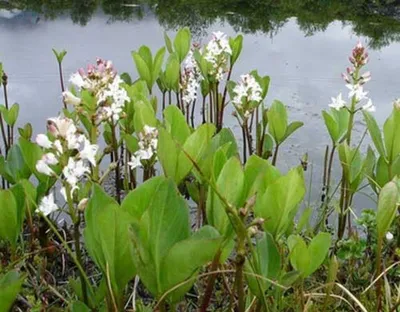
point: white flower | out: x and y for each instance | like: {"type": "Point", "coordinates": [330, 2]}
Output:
{"type": "Point", "coordinates": [149, 130]}
{"type": "Point", "coordinates": [248, 89]}
{"type": "Point", "coordinates": [135, 162]}
{"type": "Point", "coordinates": [145, 153]}
{"type": "Point", "coordinates": [78, 81]}
{"type": "Point", "coordinates": [357, 91]}
{"type": "Point", "coordinates": [89, 152]}
{"type": "Point", "coordinates": [74, 141]}
{"type": "Point", "coordinates": [50, 159]}
{"type": "Point", "coordinates": [337, 103]}
{"type": "Point", "coordinates": [369, 107]}
{"type": "Point", "coordinates": [389, 236]}
{"type": "Point", "coordinates": [57, 146]}
{"type": "Point", "coordinates": [61, 126]}
{"type": "Point", "coordinates": [42, 167]}
{"type": "Point", "coordinates": [43, 141]}
{"type": "Point", "coordinates": [47, 205]}
{"type": "Point", "coordinates": [70, 98]}
{"type": "Point", "coordinates": [74, 171]}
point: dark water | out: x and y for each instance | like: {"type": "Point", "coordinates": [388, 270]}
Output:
{"type": "Point", "coordinates": [302, 45]}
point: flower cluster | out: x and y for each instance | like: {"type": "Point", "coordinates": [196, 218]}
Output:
{"type": "Point", "coordinates": [355, 82]}
{"type": "Point", "coordinates": [216, 53]}
{"type": "Point", "coordinates": [65, 141]}
{"type": "Point", "coordinates": [247, 90]}
{"type": "Point", "coordinates": [102, 80]}
{"type": "Point", "coordinates": [190, 80]}
{"type": "Point", "coordinates": [148, 140]}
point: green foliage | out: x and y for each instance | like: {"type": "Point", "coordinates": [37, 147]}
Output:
{"type": "Point", "coordinates": [307, 259]}
{"type": "Point", "coordinates": [10, 286]}
{"type": "Point", "coordinates": [106, 235]}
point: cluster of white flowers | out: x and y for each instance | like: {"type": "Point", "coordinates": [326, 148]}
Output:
{"type": "Point", "coordinates": [190, 79]}
{"type": "Point", "coordinates": [102, 80]}
{"type": "Point", "coordinates": [118, 97]}
{"type": "Point", "coordinates": [247, 90]}
{"type": "Point", "coordinates": [355, 84]}
{"type": "Point", "coordinates": [216, 53]}
{"type": "Point", "coordinates": [68, 140]}
{"type": "Point", "coordinates": [148, 140]}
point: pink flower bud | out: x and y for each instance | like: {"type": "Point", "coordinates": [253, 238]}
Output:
{"type": "Point", "coordinates": [81, 72]}
{"type": "Point", "coordinates": [345, 78]}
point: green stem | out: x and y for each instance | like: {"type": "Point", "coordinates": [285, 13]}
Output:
{"type": "Point", "coordinates": [79, 257]}
{"type": "Point", "coordinates": [76, 221]}
{"type": "Point", "coordinates": [275, 157]}
{"type": "Point", "coordinates": [378, 272]}
{"type": "Point", "coordinates": [240, 259]}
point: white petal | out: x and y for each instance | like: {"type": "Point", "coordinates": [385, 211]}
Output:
{"type": "Point", "coordinates": [43, 141]}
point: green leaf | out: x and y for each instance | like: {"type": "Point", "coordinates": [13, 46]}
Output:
{"type": "Point", "coordinates": [259, 174]}
{"type": "Point", "coordinates": [185, 258]}
{"type": "Point", "coordinates": [391, 131]}
{"type": "Point", "coordinates": [145, 53]}
{"type": "Point", "coordinates": [332, 126]}
{"type": "Point", "coordinates": [10, 286]}
{"type": "Point", "coordinates": [9, 220]}
{"type": "Point", "coordinates": [277, 117]}
{"type": "Point", "coordinates": [168, 43]}
{"type": "Point", "coordinates": [280, 201]}
{"type": "Point", "coordinates": [299, 256]}
{"type": "Point", "coordinates": [305, 259]}
{"type": "Point", "coordinates": [106, 236]}
{"type": "Point", "coordinates": [172, 73]}
{"type": "Point", "coordinates": [175, 124]}
{"type": "Point", "coordinates": [144, 115]}
{"type": "Point", "coordinates": [167, 153]}
{"type": "Point", "coordinates": [165, 223]}
{"type": "Point", "coordinates": [143, 69]}
{"type": "Point", "coordinates": [182, 43]}
{"type": "Point", "coordinates": [230, 189]}
{"type": "Point", "coordinates": [59, 55]}
{"type": "Point", "coordinates": [236, 45]}
{"type": "Point", "coordinates": [11, 115]}
{"type": "Point", "coordinates": [194, 147]}
{"type": "Point", "coordinates": [158, 62]}
{"type": "Point", "coordinates": [225, 139]}
{"type": "Point", "coordinates": [138, 200]}
{"type": "Point", "coordinates": [267, 264]}
{"type": "Point", "coordinates": [292, 127]}
{"type": "Point", "coordinates": [375, 133]}
{"type": "Point", "coordinates": [387, 207]}
{"type": "Point", "coordinates": [318, 250]}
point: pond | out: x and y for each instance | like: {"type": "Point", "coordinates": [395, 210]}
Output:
{"type": "Point", "coordinates": [302, 45]}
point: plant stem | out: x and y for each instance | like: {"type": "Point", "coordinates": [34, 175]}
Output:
{"type": "Point", "coordinates": [240, 259]}
{"type": "Point", "coordinates": [244, 145]}
{"type": "Point", "coordinates": [204, 110]}
{"type": "Point", "coordinates": [378, 272]}
{"type": "Point", "coordinates": [8, 145]}
{"type": "Point", "coordinates": [79, 257]}
{"type": "Point", "coordinates": [210, 284]}
{"type": "Point", "coordinates": [192, 113]}
{"type": "Point", "coordinates": [62, 82]}
{"type": "Point", "coordinates": [117, 169]}
{"type": "Point", "coordinates": [275, 157]}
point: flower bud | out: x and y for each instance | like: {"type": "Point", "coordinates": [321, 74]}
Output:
{"type": "Point", "coordinates": [70, 98]}
{"type": "Point", "coordinates": [389, 236]}
{"type": "Point", "coordinates": [83, 204]}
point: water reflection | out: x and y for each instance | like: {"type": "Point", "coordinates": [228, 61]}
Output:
{"type": "Point", "coordinates": [377, 20]}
